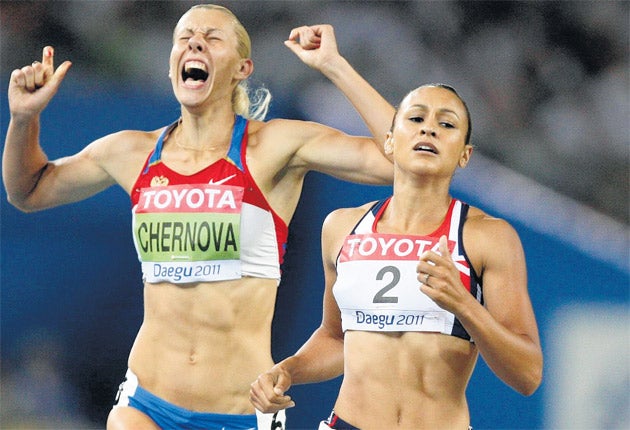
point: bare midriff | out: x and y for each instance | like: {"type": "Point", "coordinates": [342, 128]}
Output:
{"type": "Point", "coordinates": [405, 380]}
{"type": "Point", "coordinates": [202, 345]}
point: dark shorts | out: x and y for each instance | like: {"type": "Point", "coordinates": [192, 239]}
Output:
{"type": "Point", "coordinates": [336, 423]}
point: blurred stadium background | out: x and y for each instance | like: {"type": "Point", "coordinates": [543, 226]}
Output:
{"type": "Point", "coordinates": [547, 84]}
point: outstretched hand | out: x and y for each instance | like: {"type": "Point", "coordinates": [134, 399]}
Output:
{"type": "Point", "coordinates": [32, 87]}
{"type": "Point", "coordinates": [267, 392]}
{"type": "Point", "coordinates": [315, 45]}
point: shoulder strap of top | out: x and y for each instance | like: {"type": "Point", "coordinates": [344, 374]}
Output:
{"type": "Point", "coordinates": [370, 216]}
{"type": "Point", "coordinates": [458, 219]}
{"type": "Point", "coordinates": [156, 156]}
{"type": "Point", "coordinates": [378, 209]}
{"type": "Point", "coordinates": [236, 151]}
{"type": "Point", "coordinates": [233, 153]}
{"type": "Point", "coordinates": [375, 211]}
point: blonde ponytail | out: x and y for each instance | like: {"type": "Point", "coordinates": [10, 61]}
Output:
{"type": "Point", "coordinates": [251, 104]}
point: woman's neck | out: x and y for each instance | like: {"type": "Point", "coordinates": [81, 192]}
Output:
{"type": "Point", "coordinates": [204, 133]}
{"type": "Point", "coordinates": [416, 210]}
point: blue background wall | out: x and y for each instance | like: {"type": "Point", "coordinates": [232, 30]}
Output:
{"type": "Point", "coordinates": [72, 274]}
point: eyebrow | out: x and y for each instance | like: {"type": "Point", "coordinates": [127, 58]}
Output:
{"type": "Point", "coordinates": [442, 110]}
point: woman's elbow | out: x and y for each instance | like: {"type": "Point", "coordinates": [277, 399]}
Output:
{"type": "Point", "coordinates": [17, 203]}
{"type": "Point", "coordinates": [530, 386]}
{"type": "Point", "coordinates": [22, 204]}
{"type": "Point", "coordinates": [532, 379]}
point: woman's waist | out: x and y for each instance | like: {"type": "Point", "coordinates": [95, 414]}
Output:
{"type": "Point", "coordinates": [373, 405]}
{"type": "Point", "coordinates": [193, 342]}
{"type": "Point", "coordinates": [209, 375]}
{"type": "Point", "coordinates": [201, 345]}
{"type": "Point", "coordinates": [430, 365]}
{"type": "Point", "coordinates": [400, 384]}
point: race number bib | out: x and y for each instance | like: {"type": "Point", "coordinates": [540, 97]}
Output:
{"type": "Point", "coordinates": [189, 233]}
{"type": "Point", "coordinates": [377, 288]}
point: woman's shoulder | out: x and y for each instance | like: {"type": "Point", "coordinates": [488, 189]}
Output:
{"type": "Point", "coordinates": [348, 215]}
{"type": "Point", "coordinates": [480, 219]}
{"type": "Point", "coordinates": [123, 153]}
{"type": "Point", "coordinates": [274, 126]}
{"type": "Point", "coordinates": [125, 141]}
{"type": "Point", "coordinates": [339, 223]}
{"type": "Point", "coordinates": [480, 227]}
{"type": "Point", "coordinates": [352, 211]}
{"type": "Point", "coordinates": [136, 138]}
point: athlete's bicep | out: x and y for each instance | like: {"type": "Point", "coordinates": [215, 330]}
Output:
{"type": "Point", "coordinates": [70, 179]}
{"type": "Point", "coordinates": [505, 282]}
{"type": "Point", "coordinates": [352, 158]}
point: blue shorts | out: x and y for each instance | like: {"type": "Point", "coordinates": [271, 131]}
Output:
{"type": "Point", "coordinates": [169, 416]}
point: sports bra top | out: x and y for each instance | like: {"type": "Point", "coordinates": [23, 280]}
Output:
{"type": "Point", "coordinates": [377, 287]}
{"type": "Point", "coordinates": [212, 225]}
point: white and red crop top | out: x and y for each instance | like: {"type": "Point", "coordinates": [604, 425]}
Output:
{"type": "Point", "coordinates": [377, 287]}
{"type": "Point", "coordinates": [209, 226]}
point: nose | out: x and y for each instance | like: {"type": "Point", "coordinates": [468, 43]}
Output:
{"type": "Point", "coordinates": [427, 130]}
{"type": "Point", "coordinates": [195, 43]}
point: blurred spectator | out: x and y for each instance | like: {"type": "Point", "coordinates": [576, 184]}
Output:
{"type": "Point", "coordinates": [34, 392]}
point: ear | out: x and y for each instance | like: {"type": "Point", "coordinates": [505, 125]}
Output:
{"type": "Point", "coordinates": [245, 69]}
{"type": "Point", "coordinates": [465, 156]}
{"type": "Point", "coordinates": [389, 144]}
